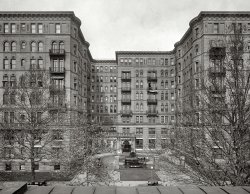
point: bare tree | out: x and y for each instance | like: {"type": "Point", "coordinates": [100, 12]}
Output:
{"type": "Point", "coordinates": [81, 161]}
{"type": "Point", "coordinates": [27, 124]}
{"type": "Point", "coordinates": [212, 131]}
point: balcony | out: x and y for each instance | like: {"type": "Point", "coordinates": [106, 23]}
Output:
{"type": "Point", "coordinates": [217, 53]}
{"type": "Point", "coordinates": [152, 78]}
{"type": "Point", "coordinates": [120, 135]}
{"type": "Point", "coordinates": [57, 89]}
{"type": "Point", "coordinates": [152, 113]}
{"type": "Point", "coordinates": [126, 101]}
{"type": "Point", "coordinates": [57, 106]}
{"type": "Point", "coordinates": [57, 70]}
{"type": "Point", "coordinates": [126, 89]}
{"type": "Point", "coordinates": [152, 101]}
{"type": "Point", "coordinates": [217, 89]}
{"type": "Point", "coordinates": [152, 90]}
{"type": "Point", "coordinates": [126, 113]}
{"type": "Point", "coordinates": [217, 72]}
{"type": "Point", "coordinates": [126, 78]}
{"type": "Point", "coordinates": [57, 52]}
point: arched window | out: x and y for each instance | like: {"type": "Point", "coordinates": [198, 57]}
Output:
{"type": "Point", "coordinates": [22, 62]}
{"type": "Point", "coordinates": [162, 108]}
{"type": "Point", "coordinates": [54, 46]}
{"type": "Point", "coordinates": [6, 47]}
{"type": "Point", "coordinates": [141, 95]}
{"type": "Point", "coordinates": [137, 84]}
{"type": "Point", "coordinates": [111, 108]}
{"type": "Point", "coordinates": [137, 106]}
{"type": "Point", "coordinates": [162, 73]}
{"type": "Point", "coordinates": [137, 96]}
{"type": "Point", "coordinates": [33, 47]}
{"type": "Point", "coordinates": [13, 46]}
{"type": "Point", "coordinates": [141, 84]}
{"type": "Point", "coordinates": [40, 47]}
{"type": "Point", "coordinates": [162, 96]}
{"type": "Point", "coordinates": [61, 46]}
{"type": "Point", "coordinates": [141, 107]}
{"type": "Point", "coordinates": [137, 73]}
{"type": "Point", "coordinates": [166, 73]}
{"type": "Point", "coordinates": [141, 73]}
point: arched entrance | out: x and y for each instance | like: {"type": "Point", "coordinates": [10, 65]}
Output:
{"type": "Point", "coordinates": [126, 146]}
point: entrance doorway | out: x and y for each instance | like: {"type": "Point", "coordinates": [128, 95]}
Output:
{"type": "Point", "coordinates": [126, 146]}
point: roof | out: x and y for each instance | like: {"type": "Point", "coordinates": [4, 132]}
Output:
{"type": "Point", "coordinates": [61, 189]}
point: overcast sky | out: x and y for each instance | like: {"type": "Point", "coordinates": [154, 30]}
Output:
{"type": "Point", "coordinates": [113, 25]}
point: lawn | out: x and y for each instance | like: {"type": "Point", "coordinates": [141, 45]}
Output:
{"type": "Point", "coordinates": [137, 174]}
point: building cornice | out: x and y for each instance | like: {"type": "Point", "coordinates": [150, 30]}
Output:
{"type": "Point", "coordinates": [204, 14]}
{"type": "Point", "coordinates": [103, 61]}
{"type": "Point", "coordinates": [33, 14]}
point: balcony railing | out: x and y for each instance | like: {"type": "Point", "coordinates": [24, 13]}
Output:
{"type": "Point", "coordinates": [57, 52]}
{"type": "Point", "coordinates": [126, 89]}
{"type": "Point", "coordinates": [217, 53]}
{"type": "Point", "coordinates": [152, 78]}
{"type": "Point", "coordinates": [215, 71]}
{"type": "Point", "coordinates": [152, 101]}
{"type": "Point", "coordinates": [122, 135]}
{"type": "Point", "coordinates": [126, 101]}
{"type": "Point", "coordinates": [126, 78]}
{"type": "Point", "coordinates": [126, 113]}
{"type": "Point", "coordinates": [56, 106]}
{"type": "Point", "coordinates": [152, 113]}
{"type": "Point", "coordinates": [57, 88]}
{"type": "Point", "coordinates": [217, 89]}
{"type": "Point", "coordinates": [152, 90]}
{"type": "Point", "coordinates": [57, 70]}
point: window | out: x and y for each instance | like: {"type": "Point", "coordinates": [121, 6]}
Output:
{"type": "Point", "coordinates": [40, 47]}
{"type": "Point", "coordinates": [162, 119]}
{"type": "Point", "coordinates": [166, 96]}
{"type": "Point", "coordinates": [13, 64]}
{"type": "Point", "coordinates": [13, 46]}
{"type": "Point", "coordinates": [141, 107]}
{"type": "Point", "coordinates": [141, 95]}
{"type": "Point", "coordinates": [139, 130]}
{"type": "Point", "coordinates": [40, 28]}
{"type": "Point", "coordinates": [33, 28]}
{"type": "Point", "coordinates": [61, 46]}
{"type": "Point", "coordinates": [13, 28]}
{"type": "Point", "coordinates": [5, 80]}
{"type": "Point", "coordinates": [166, 84]}
{"type": "Point", "coordinates": [137, 73]}
{"type": "Point", "coordinates": [5, 64]}
{"type": "Point", "coordinates": [196, 32]}
{"type": "Point", "coordinates": [151, 143]}
{"type": "Point", "coordinates": [139, 143]}
{"type": "Point", "coordinates": [151, 131]}
{"type": "Point", "coordinates": [196, 49]}
{"type": "Point", "coordinates": [23, 27]}
{"type": "Point", "coordinates": [137, 119]}
{"type": "Point", "coordinates": [6, 28]}
{"type": "Point", "coordinates": [40, 63]}
{"type": "Point", "coordinates": [8, 167]}
{"type": "Point", "coordinates": [172, 84]}
{"type": "Point", "coordinates": [216, 28]}
{"type": "Point", "coordinates": [162, 96]}
{"type": "Point", "coordinates": [6, 46]}
{"type": "Point", "coordinates": [33, 47]}
{"type": "Point", "coordinates": [33, 64]}
{"type": "Point", "coordinates": [58, 28]}
{"type": "Point", "coordinates": [57, 167]}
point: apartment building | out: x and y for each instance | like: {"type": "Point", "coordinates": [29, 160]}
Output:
{"type": "Point", "coordinates": [51, 41]}
{"type": "Point", "coordinates": [138, 97]}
